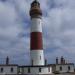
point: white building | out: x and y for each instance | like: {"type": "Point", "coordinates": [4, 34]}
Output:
{"type": "Point", "coordinates": [58, 68]}
{"type": "Point", "coordinates": [11, 69]}
{"type": "Point", "coordinates": [35, 70]}
{"type": "Point", "coordinates": [63, 66]}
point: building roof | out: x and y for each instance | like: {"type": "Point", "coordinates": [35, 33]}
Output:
{"type": "Point", "coordinates": [48, 65]}
{"type": "Point", "coordinates": [35, 66]}
{"type": "Point", "coordinates": [8, 65]}
{"type": "Point", "coordinates": [63, 64]}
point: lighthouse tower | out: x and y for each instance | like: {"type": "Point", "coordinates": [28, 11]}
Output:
{"type": "Point", "coordinates": [36, 42]}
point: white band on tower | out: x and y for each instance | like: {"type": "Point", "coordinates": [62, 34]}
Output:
{"type": "Point", "coordinates": [36, 25]}
{"type": "Point", "coordinates": [37, 57]}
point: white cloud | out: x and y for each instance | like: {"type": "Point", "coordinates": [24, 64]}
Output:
{"type": "Point", "coordinates": [58, 29]}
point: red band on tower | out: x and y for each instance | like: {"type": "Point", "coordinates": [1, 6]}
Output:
{"type": "Point", "coordinates": [36, 41]}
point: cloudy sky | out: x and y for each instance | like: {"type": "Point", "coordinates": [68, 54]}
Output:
{"type": "Point", "coordinates": [58, 30]}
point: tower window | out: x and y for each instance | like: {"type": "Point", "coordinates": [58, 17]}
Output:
{"type": "Point", "coordinates": [60, 68]}
{"type": "Point", "coordinates": [32, 62]}
{"type": "Point", "coordinates": [40, 57]}
{"type": "Point", "coordinates": [1, 69]}
{"type": "Point", "coordinates": [68, 67]}
{"type": "Point", "coordinates": [28, 70]}
{"type": "Point", "coordinates": [39, 69]}
{"type": "Point", "coordinates": [11, 69]}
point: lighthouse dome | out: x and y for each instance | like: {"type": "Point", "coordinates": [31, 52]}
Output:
{"type": "Point", "coordinates": [35, 10]}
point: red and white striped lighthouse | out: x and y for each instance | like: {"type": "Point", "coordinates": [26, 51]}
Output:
{"type": "Point", "coordinates": [36, 42]}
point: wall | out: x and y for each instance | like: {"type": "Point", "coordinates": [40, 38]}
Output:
{"type": "Point", "coordinates": [65, 68]}
{"type": "Point", "coordinates": [35, 70]}
{"type": "Point", "coordinates": [7, 70]}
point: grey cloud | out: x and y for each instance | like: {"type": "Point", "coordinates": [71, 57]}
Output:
{"type": "Point", "coordinates": [58, 29]}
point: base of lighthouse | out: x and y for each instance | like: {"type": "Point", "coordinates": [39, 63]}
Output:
{"type": "Point", "coordinates": [35, 70]}
{"type": "Point", "coordinates": [37, 57]}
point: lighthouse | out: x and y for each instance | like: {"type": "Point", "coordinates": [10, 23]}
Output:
{"type": "Point", "coordinates": [36, 41]}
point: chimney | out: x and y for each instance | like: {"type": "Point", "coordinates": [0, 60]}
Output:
{"type": "Point", "coordinates": [56, 60]}
{"type": "Point", "coordinates": [62, 60]}
{"type": "Point", "coordinates": [7, 60]}
{"type": "Point", "coordinates": [45, 61]}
